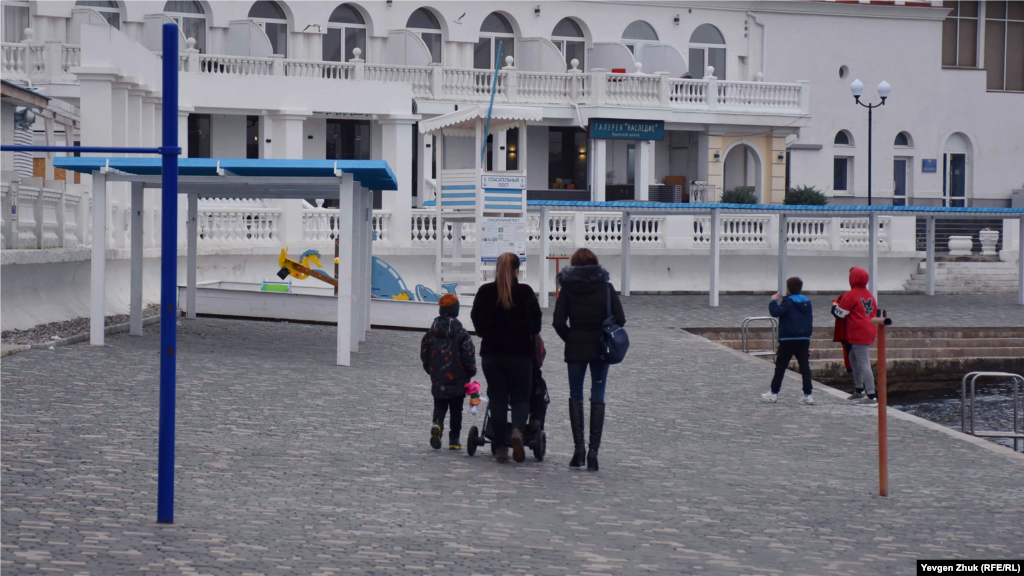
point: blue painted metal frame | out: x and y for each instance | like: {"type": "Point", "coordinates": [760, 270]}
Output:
{"type": "Point", "coordinates": [169, 152]}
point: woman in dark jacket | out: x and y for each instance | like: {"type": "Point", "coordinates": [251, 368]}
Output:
{"type": "Point", "coordinates": [580, 311]}
{"type": "Point", "coordinates": [507, 316]}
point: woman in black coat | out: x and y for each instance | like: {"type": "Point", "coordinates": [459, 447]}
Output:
{"type": "Point", "coordinates": [580, 311]}
{"type": "Point", "coordinates": [507, 316]}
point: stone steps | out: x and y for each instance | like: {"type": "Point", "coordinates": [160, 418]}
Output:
{"type": "Point", "coordinates": [967, 277]}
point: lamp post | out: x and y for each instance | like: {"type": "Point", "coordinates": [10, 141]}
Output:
{"type": "Point", "coordinates": [857, 87]}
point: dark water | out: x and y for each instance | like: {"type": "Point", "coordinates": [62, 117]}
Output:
{"type": "Point", "coordinates": [993, 410]}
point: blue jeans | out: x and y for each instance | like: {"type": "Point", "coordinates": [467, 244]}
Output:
{"type": "Point", "coordinates": [598, 379]}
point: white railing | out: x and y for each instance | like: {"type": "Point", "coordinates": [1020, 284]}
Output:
{"type": "Point", "coordinates": [14, 60]}
{"type": "Point", "coordinates": [472, 84]}
{"type": "Point", "coordinates": [424, 226]}
{"type": "Point", "coordinates": [48, 214]}
{"type": "Point", "coordinates": [542, 88]}
{"type": "Point", "coordinates": [809, 233]}
{"type": "Point", "coordinates": [315, 69]}
{"type": "Point", "coordinates": [381, 226]}
{"type": "Point", "coordinates": [633, 89]}
{"type": "Point", "coordinates": [686, 92]}
{"type": "Point", "coordinates": [854, 233]}
{"type": "Point", "coordinates": [319, 225]}
{"type": "Point", "coordinates": [233, 65]}
{"type": "Point", "coordinates": [734, 231]}
{"type": "Point", "coordinates": [241, 225]}
{"type": "Point", "coordinates": [418, 76]}
{"type": "Point", "coordinates": [70, 56]}
{"type": "Point", "coordinates": [758, 95]}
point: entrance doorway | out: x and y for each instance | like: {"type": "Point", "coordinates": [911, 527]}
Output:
{"type": "Point", "coordinates": [742, 167]}
{"type": "Point", "coordinates": [956, 181]}
{"type": "Point", "coordinates": [900, 181]}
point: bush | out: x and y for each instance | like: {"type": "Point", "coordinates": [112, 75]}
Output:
{"type": "Point", "coordinates": [805, 196]}
{"type": "Point", "coordinates": [739, 195]}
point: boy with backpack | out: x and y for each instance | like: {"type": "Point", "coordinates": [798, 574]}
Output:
{"type": "Point", "coordinates": [449, 357]}
{"type": "Point", "coordinates": [796, 323]}
{"type": "Point", "coordinates": [855, 309]}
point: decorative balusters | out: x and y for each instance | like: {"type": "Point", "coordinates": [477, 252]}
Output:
{"type": "Point", "coordinates": [243, 225]}
{"type": "Point", "coordinates": [808, 233]}
{"type": "Point", "coordinates": [234, 65]}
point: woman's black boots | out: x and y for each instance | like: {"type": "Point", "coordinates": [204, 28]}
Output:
{"type": "Point", "coordinates": [576, 423]}
{"type": "Point", "coordinates": [596, 427]}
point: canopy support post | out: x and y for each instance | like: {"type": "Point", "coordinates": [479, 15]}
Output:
{"type": "Point", "coordinates": [135, 307]}
{"type": "Point", "coordinates": [193, 253]}
{"type": "Point", "coordinates": [98, 266]}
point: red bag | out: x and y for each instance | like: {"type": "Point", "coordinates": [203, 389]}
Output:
{"type": "Point", "coordinates": [539, 351]}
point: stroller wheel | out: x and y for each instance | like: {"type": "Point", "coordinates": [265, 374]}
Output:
{"type": "Point", "coordinates": [471, 440]}
{"type": "Point", "coordinates": [541, 446]}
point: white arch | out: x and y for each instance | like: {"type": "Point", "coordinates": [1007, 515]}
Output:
{"type": "Point", "coordinates": [759, 170]}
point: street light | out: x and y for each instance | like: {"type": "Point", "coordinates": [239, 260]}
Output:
{"type": "Point", "coordinates": [857, 87]}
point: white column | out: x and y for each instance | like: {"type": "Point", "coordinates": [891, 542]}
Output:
{"type": "Point", "coordinates": [930, 260]}
{"type": "Point", "coordinates": [498, 155]}
{"type": "Point", "coordinates": [545, 249]}
{"type": "Point", "coordinates": [783, 250]}
{"type": "Point", "coordinates": [135, 307]}
{"type": "Point", "coordinates": [367, 266]}
{"type": "Point", "coordinates": [1020, 262]}
{"type": "Point", "coordinates": [287, 136]}
{"type": "Point", "coordinates": [424, 144]}
{"type": "Point", "coordinates": [642, 170]}
{"type": "Point", "coordinates": [600, 159]}
{"type": "Point", "coordinates": [626, 248]}
{"type": "Point", "coordinates": [134, 116]}
{"type": "Point", "coordinates": [193, 252]}
{"type": "Point", "coordinates": [346, 215]}
{"type": "Point", "coordinates": [396, 143]}
{"type": "Point", "coordinates": [98, 268]}
{"type": "Point", "coordinates": [363, 229]}
{"type": "Point", "coordinates": [149, 117]}
{"type": "Point", "coordinates": [872, 252]}
{"type": "Point", "coordinates": [713, 292]}
{"type": "Point", "coordinates": [96, 89]}
{"type": "Point", "coordinates": [119, 113]}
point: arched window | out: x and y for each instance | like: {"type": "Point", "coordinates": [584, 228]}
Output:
{"type": "Point", "coordinates": [568, 37]}
{"type": "Point", "coordinates": [707, 48]}
{"type": "Point", "coordinates": [191, 18]}
{"type": "Point", "coordinates": [346, 31]}
{"type": "Point", "coordinates": [639, 32]}
{"type": "Point", "coordinates": [425, 25]}
{"type": "Point", "coordinates": [274, 22]}
{"type": "Point", "coordinates": [843, 138]}
{"type": "Point", "coordinates": [110, 11]}
{"type": "Point", "coordinates": [496, 28]}
{"type": "Point", "coordinates": [903, 139]}
{"type": "Point", "coordinates": [842, 163]}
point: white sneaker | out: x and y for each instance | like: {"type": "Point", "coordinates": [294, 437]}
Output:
{"type": "Point", "coordinates": [769, 397]}
{"type": "Point", "coordinates": [807, 400]}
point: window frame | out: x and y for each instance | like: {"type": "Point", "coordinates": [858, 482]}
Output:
{"type": "Point", "coordinates": [1005, 20]}
{"type": "Point", "coordinates": [439, 32]}
{"type": "Point", "coordinates": [494, 38]}
{"type": "Point", "coordinates": [179, 18]}
{"type": "Point", "coordinates": [978, 48]}
{"type": "Point", "coordinates": [17, 4]}
{"type": "Point", "coordinates": [104, 10]}
{"type": "Point", "coordinates": [632, 43]}
{"type": "Point", "coordinates": [262, 23]}
{"type": "Point", "coordinates": [561, 42]}
{"type": "Point", "coordinates": [342, 27]}
{"type": "Point", "coordinates": [850, 143]}
{"type": "Point", "coordinates": [847, 176]}
{"type": "Point", "coordinates": [706, 49]}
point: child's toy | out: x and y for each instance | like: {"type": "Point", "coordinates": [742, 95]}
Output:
{"type": "Point", "coordinates": [473, 389]}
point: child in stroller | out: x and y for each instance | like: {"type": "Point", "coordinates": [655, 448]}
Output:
{"type": "Point", "coordinates": [533, 436]}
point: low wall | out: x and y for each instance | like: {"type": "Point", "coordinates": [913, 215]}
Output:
{"type": "Point", "coordinates": [38, 286]}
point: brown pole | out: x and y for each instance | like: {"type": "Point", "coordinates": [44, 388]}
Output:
{"type": "Point", "coordinates": [883, 424]}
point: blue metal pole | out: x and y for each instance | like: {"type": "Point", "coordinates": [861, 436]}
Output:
{"type": "Point", "coordinates": [168, 277]}
{"type": "Point", "coordinates": [494, 88]}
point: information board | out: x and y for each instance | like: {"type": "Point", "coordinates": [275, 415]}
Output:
{"type": "Point", "coordinates": [929, 165]}
{"type": "Point", "coordinates": [612, 129]}
{"type": "Point", "coordinates": [502, 182]}
{"type": "Point", "coordinates": [502, 234]}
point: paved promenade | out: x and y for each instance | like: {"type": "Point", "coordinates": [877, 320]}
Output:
{"type": "Point", "coordinates": [290, 465]}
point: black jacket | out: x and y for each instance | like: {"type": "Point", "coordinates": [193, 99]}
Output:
{"type": "Point", "coordinates": [581, 309]}
{"type": "Point", "coordinates": [448, 355]}
{"type": "Point", "coordinates": [506, 332]}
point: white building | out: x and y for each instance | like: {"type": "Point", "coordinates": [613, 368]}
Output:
{"type": "Point", "coordinates": [768, 105]}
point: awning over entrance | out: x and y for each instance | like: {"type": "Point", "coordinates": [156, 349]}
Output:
{"type": "Point", "coordinates": [502, 118]}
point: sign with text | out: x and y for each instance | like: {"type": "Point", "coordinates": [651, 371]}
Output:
{"type": "Point", "coordinates": [611, 129]}
{"type": "Point", "coordinates": [499, 235]}
{"type": "Point", "coordinates": [929, 165]}
{"type": "Point", "coordinates": [502, 182]}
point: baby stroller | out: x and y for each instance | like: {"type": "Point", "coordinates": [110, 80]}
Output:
{"type": "Point", "coordinates": [533, 436]}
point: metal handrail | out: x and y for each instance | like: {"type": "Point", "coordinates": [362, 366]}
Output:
{"type": "Point", "coordinates": [1017, 435]}
{"type": "Point", "coordinates": [746, 337]}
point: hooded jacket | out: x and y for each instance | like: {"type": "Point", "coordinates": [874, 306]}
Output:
{"type": "Point", "coordinates": [796, 319]}
{"type": "Point", "coordinates": [448, 356]}
{"type": "Point", "coordinates": [856, 308]}
{"type": "Point", "coordinates": [581, 310]}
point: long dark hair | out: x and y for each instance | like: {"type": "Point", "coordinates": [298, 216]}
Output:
{"type": "Point", "coordinates": [508, 266]}
{"type": "Point", "coordinates": [583, 257]}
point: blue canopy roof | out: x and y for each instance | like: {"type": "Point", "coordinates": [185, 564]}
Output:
{"type": "Point", "coordinates": [371, 174]}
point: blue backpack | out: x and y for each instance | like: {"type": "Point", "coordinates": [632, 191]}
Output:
{"type": "Point", "coordinates": [614, 341]}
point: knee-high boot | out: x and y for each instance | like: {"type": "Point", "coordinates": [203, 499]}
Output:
{"type": "Point", "coordinates": [596, 427]}
{"type": "Point", "coordinates": [576, 423]}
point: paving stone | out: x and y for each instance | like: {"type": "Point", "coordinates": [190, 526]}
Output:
{"type": "Point", "coordinates": [287, 464]}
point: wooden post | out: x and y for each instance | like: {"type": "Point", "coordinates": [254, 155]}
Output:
{"type": "Point", "coordinates": [883, 425]}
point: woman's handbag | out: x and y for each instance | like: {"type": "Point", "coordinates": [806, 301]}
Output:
{"type": "Point", "coordinates": [614, 340]}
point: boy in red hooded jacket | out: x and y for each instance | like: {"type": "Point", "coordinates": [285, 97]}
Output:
{"type": "Point", "coordinates": [856, 308]}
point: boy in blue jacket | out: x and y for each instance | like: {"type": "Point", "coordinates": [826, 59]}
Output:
{"type": "Point", "coordinates": [796, 323]}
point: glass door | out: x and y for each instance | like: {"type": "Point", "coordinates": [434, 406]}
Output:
{"type": "Point", "coordinates": [899, 182]}
{"type": "Point", "coordinates": [955, 180]}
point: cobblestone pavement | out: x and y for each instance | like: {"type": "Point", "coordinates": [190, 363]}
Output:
{"type": "Point", "coordinates": [290, 465]}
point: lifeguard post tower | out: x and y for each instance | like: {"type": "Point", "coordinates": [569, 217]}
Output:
{"type": "Point", "coordinates": [470, 194]}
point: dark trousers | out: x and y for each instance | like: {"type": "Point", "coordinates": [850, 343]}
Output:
{"type": "Point", "coordinates": [509, 380]}
{"type": "Point", "coordinates": [441, 406]}
{"type": "Point", "coordinates": [787, 349]}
